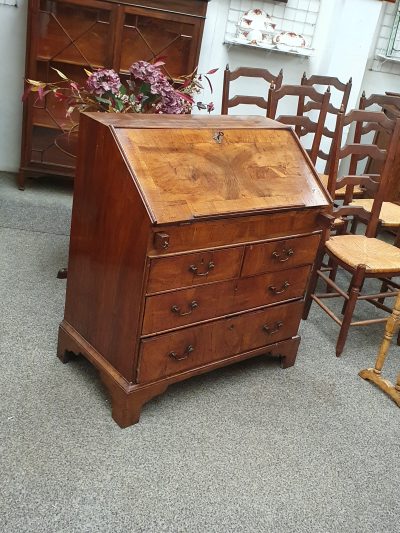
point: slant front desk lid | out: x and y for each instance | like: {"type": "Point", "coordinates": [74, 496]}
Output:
{"type": "Point", "coordinates": [191, 168]}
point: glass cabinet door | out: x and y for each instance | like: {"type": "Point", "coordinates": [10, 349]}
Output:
{"type": "Point", "coordinates": [71, 37]}
{"type": "Point", "coordinates": [147, 35]}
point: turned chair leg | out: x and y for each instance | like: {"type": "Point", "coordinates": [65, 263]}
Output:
{"type": "Point", "coordinates": [346, 302]}
{"type": "Point", "coordinates": [355, 287]}
{"type": "Point", "coordinates": [332, 274]}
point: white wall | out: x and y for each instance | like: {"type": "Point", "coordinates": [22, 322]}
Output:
{"type": "Point", "coordinates": [12, 67]}
{"type": "Point", "coordinates": [344, 40]}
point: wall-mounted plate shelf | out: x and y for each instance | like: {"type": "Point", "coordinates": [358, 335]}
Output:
{"type": "Point", "coordinates": [298, 51]}
{"type": "Point", "coordinates": [388, 40]}
{"type": "Point", "coordinates": [384, 57]}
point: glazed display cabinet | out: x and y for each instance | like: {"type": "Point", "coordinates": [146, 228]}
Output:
{"type": "Point", "coordinates": [73, 35]}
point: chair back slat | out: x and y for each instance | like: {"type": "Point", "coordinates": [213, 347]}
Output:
{"type": "Point", "coordinates": [323, 155]}
{"type": "Point", "coordinates": [327, 80]}
{"type": "Point", "coordinates": [248, 72]}
{"type": "Point", "coordinates": [361, 115]}
{"type": "Point", "coordinates": [385, 101]}
{"type": "Point", "coordinates": [368, 182]}
{"type": "Point", "coordinates": [248, 100]}
{"type": "Point", "coordinates": [375, 127]}
{"type": "Point", "coordinates": [306, 124]}
{"type": "Point", "coordinates": [296, 90]}
{"type": "Point", "coordinates": [302, 124]}
{"type": "Point", "coordinates": [364, 150]}
{"type": "Point", "coordinates": [311, 106]}
{"type": "Point", "coordinates": [328, 133]}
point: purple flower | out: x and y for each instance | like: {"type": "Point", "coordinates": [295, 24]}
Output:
{"type": "Point", "coordinates": [102, 81]}
{"type": "Point", "coordinates": [170, 101]}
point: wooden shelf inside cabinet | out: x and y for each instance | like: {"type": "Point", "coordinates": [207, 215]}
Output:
{"type": "Point", "coordinates": [64, 61]}
{"type": "Point", "coordinates": [217, 236]}
{"type": "Point", "coordinates": [76, 34]}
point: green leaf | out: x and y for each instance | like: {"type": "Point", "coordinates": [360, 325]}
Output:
{"type": "Point", "coordinates": [145, 88]}
{"type": "Point", "coordinates": [102, 100]}
{"type": "Point", "coordinates": [119, 105]}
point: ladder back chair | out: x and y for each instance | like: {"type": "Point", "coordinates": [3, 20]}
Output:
{"type": "Point", "coordinates": [363, 256]}
{"type": "Point", "coordinates": [247, 72]}
{"type": "Point", "coordinates": [303, 125]}
{"type": "Point", "coordinates": [328, 81]}
{"type": "Point", "coordinates": [340, 87]}
{"type": "Point", "coordinates": [389, 217]}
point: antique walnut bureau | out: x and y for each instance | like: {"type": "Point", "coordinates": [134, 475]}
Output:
{"type": "Point", "coordinates": [192, 241]}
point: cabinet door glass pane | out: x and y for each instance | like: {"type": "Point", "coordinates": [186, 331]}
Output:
{"type": "Point", "coordinates": [146, 38]}
{"type": "Point", "coordinates": [74, 34]}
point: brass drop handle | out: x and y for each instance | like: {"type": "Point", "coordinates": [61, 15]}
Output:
{"type": "Point", "coordinates": [272, 328]}
{"type": "Point", "coordinates": [188, 350]}
{"type": "Point", "coordinates": [192, 306]}
{"type": "Point", "coordinates": [284, 287]}
{"type": "Point", "coordinates": [284, 255]}
{"type": "Point", "coordinates": [194, 269]}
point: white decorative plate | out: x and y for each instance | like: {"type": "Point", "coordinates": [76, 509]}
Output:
{"type": "Point", "coordinates": [291, 39]}
{"type": "Point", "coordinates": [256, 19]}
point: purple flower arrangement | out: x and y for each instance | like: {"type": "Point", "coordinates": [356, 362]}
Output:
{"type": "Point", "coordinates": [103, 81]}
{"type": "Point", "coordinates": [146, 90]}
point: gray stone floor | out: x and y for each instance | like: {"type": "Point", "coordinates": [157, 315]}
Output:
{"type": "Point", "coordinates": [248, 448]}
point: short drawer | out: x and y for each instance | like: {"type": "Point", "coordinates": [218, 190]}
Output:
{"type": "Point", "coordinates": [179, 308]}
{"type": "Point", "coordinates": [276, 255]}
{"type": "Point", "coordinates": [172, 353]}
{"type": "Point", "coordinates": [194, 269]}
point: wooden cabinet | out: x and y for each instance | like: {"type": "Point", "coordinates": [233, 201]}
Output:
{"type": "Point", "coordinates": [71, 35]}
{"type": "Point", "coordinates": [191, 246]}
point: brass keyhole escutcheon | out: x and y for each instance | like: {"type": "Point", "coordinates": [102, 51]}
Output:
{"type": "Point", "coordinates": [218, 137]}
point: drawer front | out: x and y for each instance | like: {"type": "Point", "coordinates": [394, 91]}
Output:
{"type": "Point", "coordinates": [274, 256]}
{"type": "Point", "coordinates": [236, 230]}
{"type": "Point", "coordinates": [194, 269]}
{"type": "Point", "coordinates": [179, 308]}
{"type": "Point", "coordinates": [172, 353]}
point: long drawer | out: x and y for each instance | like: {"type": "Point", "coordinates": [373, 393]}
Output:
{"type": "Point", "coordinates": [179, 308]}
{"type": "Point", "coordinates": [172, 353]}
{"type": "Point", "coordinates": [213, 233]}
